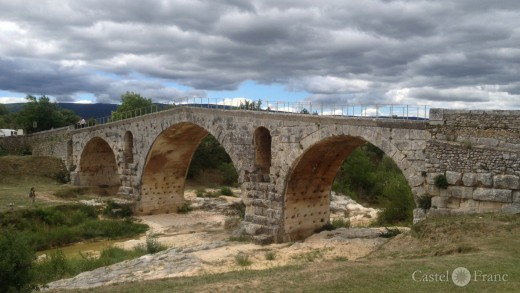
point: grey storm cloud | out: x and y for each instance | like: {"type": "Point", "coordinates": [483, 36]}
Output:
{"type": "Point", "coordinates": [372, 51]}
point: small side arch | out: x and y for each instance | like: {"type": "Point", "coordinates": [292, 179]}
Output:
{"type": "Point", "coordinates": [97, 166]}
{"type": "Point", "coordinates": [262, 142]}
{"type": "Point", "coordinates": [129, 148]}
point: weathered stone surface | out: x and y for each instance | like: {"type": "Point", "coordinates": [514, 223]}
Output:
{"type": "Point", "coordinates": [469, 179]}
{"type": "Point", "coordinates": [453, 178]}
{"type": "Point", "coordinates": [485, 179]}
{"type": "Point", "coordinates": [460, 191]}
{"type": "Point", "coordinates": [439, 202]}
{"type": "Point", "coordinates": [496, 195]}
{"type": "Point", "coordinates": [506, 181]}
{"type": "Point", "coordinates": [489, 206]}
{"type": "Point", "coordinates": [513, 208]}
{"type": "Point", "coordinates": [469, 205]}
{"type": "Point", "coordinates": [418, 215]}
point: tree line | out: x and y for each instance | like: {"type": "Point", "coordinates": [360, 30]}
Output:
{"type": "Point", "coordinates": [39, 113]}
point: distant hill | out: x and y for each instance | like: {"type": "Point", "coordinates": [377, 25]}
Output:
{"type": "Point", "coordinates": [83, 110]}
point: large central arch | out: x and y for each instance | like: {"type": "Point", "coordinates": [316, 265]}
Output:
{"type": "Point", "coordinates": [166, 167]}
{"type": "Point", "coordinates": [306, 200]}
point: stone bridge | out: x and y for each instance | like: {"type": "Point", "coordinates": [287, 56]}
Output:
{"type": "Point", "coordinates": [287, 162]}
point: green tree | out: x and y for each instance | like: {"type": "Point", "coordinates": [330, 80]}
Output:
{"type": "Point", "coordinates": [3, 110]}
{"type": "Point", "coordinates": [132, 105]}
{"type": "Point", "coordinates": [40, 114]}
{"type": "Point", "coordinates": [251, 105]}
{"type": "Point", "coordinates": [209, 155]}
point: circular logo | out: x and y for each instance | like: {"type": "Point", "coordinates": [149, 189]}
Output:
{"type": "Point", "coordinates": [461, 276]}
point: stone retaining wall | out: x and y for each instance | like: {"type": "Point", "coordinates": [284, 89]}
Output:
{"type": "Point", "coordinates": [478, 152]}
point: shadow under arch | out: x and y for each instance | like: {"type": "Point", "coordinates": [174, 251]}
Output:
{"type": "Point", "coordinates": [166, 168]}
{"type": "Point", "coordinates": [306, 206]}
{"type": "Point", "coordinates": [97, 166]}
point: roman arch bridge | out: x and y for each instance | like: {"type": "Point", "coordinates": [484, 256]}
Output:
{"type": "Point", "coordinates": [287, 162]}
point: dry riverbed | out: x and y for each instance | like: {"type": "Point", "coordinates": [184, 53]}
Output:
{"type": "Point", "coordinates": [201, 242]}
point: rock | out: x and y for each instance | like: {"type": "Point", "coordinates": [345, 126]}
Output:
{"type": "Point", "coordinates": [513, 208]}
{"type": "Point", "coordinates": [496, 195]}
{"type": "Point", "coordinates": [506, 182]}
{"type": "Point", "coordinates": [231, 222]}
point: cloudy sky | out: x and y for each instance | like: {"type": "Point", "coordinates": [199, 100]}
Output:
{"type": "Point", "coordinates": [451, 54]}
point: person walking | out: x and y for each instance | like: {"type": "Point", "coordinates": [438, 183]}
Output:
{"type": "Point", "coordinates": [32, 194]}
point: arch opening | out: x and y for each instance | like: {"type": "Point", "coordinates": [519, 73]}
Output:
{"type": "Point", "coordinates": [167, 167]}
{"type": "Point", "coordinates": [308, 190]}
{"type": "Point", "coordinates": [98, 166]}
{"type": "Point", "coordinates": [262, 143]}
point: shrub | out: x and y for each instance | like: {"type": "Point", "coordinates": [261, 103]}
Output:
{"type": "Point", "coordinates": [229, 173]}
{"type": "Point", "coordinates": [397, 201]}
{"type": "Point", "coordinates": [152, 243]}
{"type": "Point", "coordinates": [226, 191]}
{"type": "Point", "coordinates": [270, 255]}
{"type": "Point", "coordinates": [52, 267]}
{"type": "Point", "coordinates": [16, 261]}
{"type": "Point", "coordinates": [117, 210]}
{"type": "Point", "coordinates": [186, 208]}
{"type": "Point", "coordinates": [240, 208]}
{"type": "Point", "coordinates": [440, 181]}
{"type": "Point", "coordinates": [425, 202]}
{"type": "Point", "coordinates": [340, 223]}
{"type": "Point", "coordinates": [200, 192]}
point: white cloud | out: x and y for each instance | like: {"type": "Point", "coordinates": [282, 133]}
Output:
{"type": "Point", "coordinates": [10, 100]}
{"type": "Point", "coordinates": [445, 52]}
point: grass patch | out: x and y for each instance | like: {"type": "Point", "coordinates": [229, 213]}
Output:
{"type": "Point", "coordinates": [48, 227]}
{"type": "Point", "coordinates": [70, 193]}
{"type": "Point", "coordinates": [56, 266]}
{"type": "Point", "coordinates": [270, 255]}
{"type": "Point", "coordinates": [241, 238]}
{"type": "Point", "coordinates": [309, 256]}
{"type": "Point", "coordinates": [243, 260]}
{"type": "Point", "coordinates": [186, 208]}
{"type": "Point", "coordinates": [340, 223]}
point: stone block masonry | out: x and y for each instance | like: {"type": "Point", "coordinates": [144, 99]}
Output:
{"type": "Point", "coordinates": [287, 162]}
{"type": "Point", "coordinates": [479, 153]}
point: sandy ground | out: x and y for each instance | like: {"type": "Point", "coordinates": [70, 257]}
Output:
{"type": "Point", "coordinates": [201, 227]}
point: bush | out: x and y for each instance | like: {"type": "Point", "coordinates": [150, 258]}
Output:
{"type": "Point", "coordinates": [397, 201]}
{"type": "Point", "coordinates": [152, 244]}
{"type": "Point", "coordinates": [240, 208]}
{"type": "Point", "coordinates": [226, 191]}
{"type": "Point", "coordinates": [117, 210]}
{"type": "Point", "coordinates": [186, 208]}
{"type": "Point", "coordinates": [270, 255]}
{"type": "Point", "coordinates": [16, 261]}
{"type": "Point", "coordinates": [200, 192]}
{"type": "Point", "coordinates": [52, 267]}
{"type": "Point", "coordinates": [425, 202]}
{"type": "Point", "coordinates": [242, 259]}
{"type": "Point", "coordinates": [229, 173]}
{"type": "Point", "coordinates": [441, 181]}
{"type": "Point", "coordinates": [340, 223]}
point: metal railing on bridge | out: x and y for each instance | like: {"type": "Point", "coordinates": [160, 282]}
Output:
{"type": "Point", "coordinates": [403, 112]}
